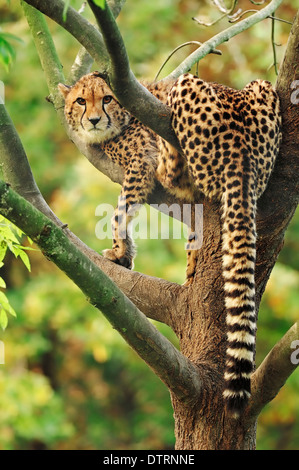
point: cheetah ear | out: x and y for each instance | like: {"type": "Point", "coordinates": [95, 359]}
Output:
{"type": "Point", "coordinates": [64, 89]}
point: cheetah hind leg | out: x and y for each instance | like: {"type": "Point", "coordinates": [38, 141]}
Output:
{"type": "Point", "coordinates": [192, 257]}
{"type": "Point", "coordinates": [195, 238]}
{"type": "Point", "coordinates": [170, 165]}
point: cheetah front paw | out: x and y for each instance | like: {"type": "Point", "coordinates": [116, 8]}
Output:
{"type": "Point", "coordinates": [126, 260]}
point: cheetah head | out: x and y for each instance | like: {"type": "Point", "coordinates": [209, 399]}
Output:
{"type": "Point", "coordinates": [92, 111]}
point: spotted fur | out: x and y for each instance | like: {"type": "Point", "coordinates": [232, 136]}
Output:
{"type": "Point", "coordinates": [229, 140]}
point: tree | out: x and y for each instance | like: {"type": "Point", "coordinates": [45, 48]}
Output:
{"type": "Point", "coordinates": [196, 314]}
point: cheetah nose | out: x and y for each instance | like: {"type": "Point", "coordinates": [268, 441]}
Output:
{"type": "Point", "coordinates": [94, 121]}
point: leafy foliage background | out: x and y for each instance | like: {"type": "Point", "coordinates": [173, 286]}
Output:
{"type": "Point", "coordinates": [69, 381]}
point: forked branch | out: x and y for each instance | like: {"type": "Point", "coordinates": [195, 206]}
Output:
{"type": "Point", "coordinates": [174, 369]}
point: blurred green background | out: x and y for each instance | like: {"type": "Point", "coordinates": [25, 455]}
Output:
{"type": "Point", "coordinates": [69, 381]}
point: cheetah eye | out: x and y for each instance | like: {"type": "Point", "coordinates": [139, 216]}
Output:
{"type": "Point", "coordinates": [107, 99]}
{"type": "Point", "coordinates": [81, 101]}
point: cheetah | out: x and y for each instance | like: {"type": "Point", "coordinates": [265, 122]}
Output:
{"type": "Point", "coordinates": [229, 141]}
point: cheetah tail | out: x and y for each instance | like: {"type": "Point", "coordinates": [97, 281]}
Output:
{"type": "Point", "coordinates": [239, 251]}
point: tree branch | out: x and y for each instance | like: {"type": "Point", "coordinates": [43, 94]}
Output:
{"type": "Point", "coordinates": [81, 66]}
{"type": "Point", "coordinates": [275, 369]}
{"type": "Point", "coordinates": [174, 369]}
{"type": "Point", "coordinates": [47, 53]}
{"type": "Point", "coordinates": [77, 26]}
{"type": "Point", "coordinates": [131, 94]}
{"type": "Point", "coordinates": [15, 165]}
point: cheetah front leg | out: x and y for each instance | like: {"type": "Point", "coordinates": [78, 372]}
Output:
{"type": "Point", "coordinates": [138, 183]}
{"type": "Point", "coordinates": [123, 249]}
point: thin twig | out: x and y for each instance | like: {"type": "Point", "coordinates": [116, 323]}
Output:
{"type": "Point", "coordinates": [273, 45]}
{"type": "Point", "coordinates": [239, 14]}
{"type": "Point", "coordinates": [220, 5]}
{"type": "Point", "coordinates": [280, 19]}
{"type": "Point", "coordinates": [222, 8]}
{"type": "Point", "coordinates": [258, 3]}
{"type": "Point", "coordinates": [216, 51]}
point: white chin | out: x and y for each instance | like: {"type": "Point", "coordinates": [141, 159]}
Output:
{"type": "Point", "coordinates": [92, 136]}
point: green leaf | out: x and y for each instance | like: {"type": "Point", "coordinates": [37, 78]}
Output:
{"type": "Point", "coordinates": [11, 37]}
{"type": "Point", "coordinates": [7, 52]}
{"type": "Point", "coordinates": [65, 9]}
{"type": "Point", "coordinates": [25, 259]}
{"type": "Point", "coordinates": [7, 235]}
{"type": "Point", "coordinates": [100, 3]}
{"type": "Point", "coordinates": [3, 319]}
{"type": "Point", "coordinates": [5, 305]}
{"type": "Point", "coordinates": [3, 249]}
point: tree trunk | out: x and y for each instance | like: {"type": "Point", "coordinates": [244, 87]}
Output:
{"type": "Point", "coordinates": [201, 324]}
{"type": "Point", "coordinates": [207, 429]}
{"type": "Point", "coordinates": [204, 424]}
